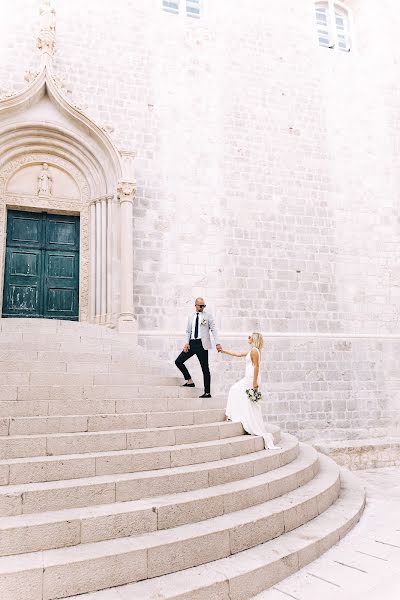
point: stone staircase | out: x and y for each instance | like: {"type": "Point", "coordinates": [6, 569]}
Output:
{"type": "Point", "coordinates": [117, 483]}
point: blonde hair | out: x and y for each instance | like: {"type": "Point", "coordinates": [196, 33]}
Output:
{"type": "Point", "coordinates": [258, 341]}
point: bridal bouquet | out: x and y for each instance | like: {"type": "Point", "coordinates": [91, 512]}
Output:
{"type": "Point", "coordinates": [254, 395]}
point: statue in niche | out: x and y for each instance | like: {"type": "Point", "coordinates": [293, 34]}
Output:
{"type": "Point", "coordinates": [45, 181]}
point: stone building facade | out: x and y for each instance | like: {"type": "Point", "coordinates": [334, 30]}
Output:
{"type": "Point", "coordinates": [267, 181]}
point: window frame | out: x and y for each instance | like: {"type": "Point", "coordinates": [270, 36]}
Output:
{"type": "Point", "coordinates": [183, 12]}
{"type": "Point", "coordinates": [333, 7]}
{"type": "Point", "coordinates": [170, 12]}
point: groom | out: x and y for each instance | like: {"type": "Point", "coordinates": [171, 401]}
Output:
{"type": "Point", "coordinates": [198, 342]}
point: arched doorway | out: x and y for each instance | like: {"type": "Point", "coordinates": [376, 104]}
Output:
{"type": "Point", "coordinates": [55, 161]}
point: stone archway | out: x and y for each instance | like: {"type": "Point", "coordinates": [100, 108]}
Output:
{"type": "Point", "coordinates": [89, 177]}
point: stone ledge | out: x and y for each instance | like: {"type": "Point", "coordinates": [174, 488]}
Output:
{"type": "Point", "coordinates": [363, 454]}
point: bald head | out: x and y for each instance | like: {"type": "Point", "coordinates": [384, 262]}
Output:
{"type": "Point", "coordinates": [199, 304]}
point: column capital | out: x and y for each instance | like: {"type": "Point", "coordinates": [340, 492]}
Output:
{"type": "Point", "coordinates": [126, 191]}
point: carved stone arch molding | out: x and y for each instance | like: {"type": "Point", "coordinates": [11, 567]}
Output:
{"type": "Point", "coordinates": [53, 158]}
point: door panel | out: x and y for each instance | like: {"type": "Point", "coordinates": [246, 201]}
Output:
{"type": "Point", "coordinates": [62, 233]}
{"type": "Point", "coordinates": [22, 282]}
{"type": "Point", "coordinates": [42, 266]}
{"type": "Point", "coordinates": [24, 229]}
{"type": "Point", "coordinates": [61, 284]}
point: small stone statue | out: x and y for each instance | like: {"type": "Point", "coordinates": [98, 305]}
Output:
{"type": "Point", "coordinates": [45, 181]}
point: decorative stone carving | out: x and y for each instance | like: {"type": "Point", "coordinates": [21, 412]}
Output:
{"type": "Point", "coordinates": [47, 16]}
{"type": "Point", "coordinates": [79, 157]}
{"type": "Point", "coordinates": [31, 75]}
{"type": "Point", "coordinates": [7, 172]}
{"type": "Point", "coordinates": [45, 181]}
{"type": "Point", "coordinates": [107, 128]}
{"type": "Point", "coordinates": [46, 41]}
{"type": "Point", "coordinates": [5, 95]}
{"type": "Point", "coordinates": [126, 191]}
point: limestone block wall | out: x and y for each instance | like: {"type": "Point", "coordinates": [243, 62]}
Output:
{"type": "Point", "coordinates": [317, 387]}
{"type": "Point", "coordinates": [267, 173]}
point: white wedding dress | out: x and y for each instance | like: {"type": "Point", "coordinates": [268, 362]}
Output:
{"type": "Point", "coordinates": [249, 413]}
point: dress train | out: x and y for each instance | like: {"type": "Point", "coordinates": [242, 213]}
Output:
{"type": "Point", "coordinates": [249, 413]}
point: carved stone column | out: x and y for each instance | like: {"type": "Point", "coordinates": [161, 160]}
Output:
{"type": "Point", "coordinates": [126, 195]}
{"type": "Point", "coordinates": [92, 267]}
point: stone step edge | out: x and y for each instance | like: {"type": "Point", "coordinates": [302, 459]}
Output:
{"type": "Point", "coordinates": [10, 393]}
{"type": "Point", "coordinates": [71, 434]}
{"type": "Point", "coordinates": [51, 468]}
{"type": "Point", "coordinates": [24, 498]}
{"type": "Point", "coordinates": [66, 527]}
{"type": "Point", "coordinates": [91, 378]}
{"type": "Point", "coordinates": [48, 408]}
{"type": "Point", "coordinates": [219, 426]}
{"type": "Point", "coordinates": [6, 421]}
{"type": "Point", "coordinates": [121, 453]}
{"type": "Point", "coordinates": [65, 572]}
{"type": "Point", "coordinates": [244, 575]}
{"type": "Point", "coordinates": [288, 443]}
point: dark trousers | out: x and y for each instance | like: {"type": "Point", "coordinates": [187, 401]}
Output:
{"type": "Point", "coordinates": [195, 348]}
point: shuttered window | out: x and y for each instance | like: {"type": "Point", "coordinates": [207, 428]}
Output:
{"type": "Point", "coordinates": [171, 6]}
{"type": "Point", "coordinates": [184, 8]}
{"type": "Point", "coordinates": [342, 30]}
{"type": "Point", "coordinates": [193, 8]}
{"type": "Point", "coordinates": [333, 26]}
{"type": "Point", "coordinates": [323, 26]}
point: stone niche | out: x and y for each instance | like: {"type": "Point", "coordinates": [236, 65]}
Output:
{"type": "Point", "coordinates": [25, 181]}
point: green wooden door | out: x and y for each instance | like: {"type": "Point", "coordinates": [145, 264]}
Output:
{"type": "Point", "coordinates": [42, 266]}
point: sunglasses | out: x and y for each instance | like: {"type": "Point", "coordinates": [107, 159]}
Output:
{"type": "Point", "coordinates": [201, 305]}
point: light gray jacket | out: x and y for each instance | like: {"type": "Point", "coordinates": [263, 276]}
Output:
{"type": "Point", "coordinates": [206, 324]}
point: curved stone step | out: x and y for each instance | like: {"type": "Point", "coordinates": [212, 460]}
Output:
{"type": "Point", "coordinates": [87, 378]}
{"type": "Point", "coordinates": [25, 408]}
{"type": "Point", "coordinates": [244, 575]}
{"type": "Point", "coordinates": [35, 366]}
{"type": "Point", "coordinates": [54, 355]}
{"type": "Point", "coordinates": [108, 422]}
{"type": "Point", "coordinates": [105, 489]}
{"type": "Point", "coordinates": [74, 466]}
{"type": "Point", "coordinates": [58, 444]}
{"type": "Point", "coordinates": [59, 343]}
{"type": "Point", "coordinates": [94, 392]}
{"type": "Point", "coordinates": [98, 565]}
{"type": "Point", "coordinates": [43, 531]}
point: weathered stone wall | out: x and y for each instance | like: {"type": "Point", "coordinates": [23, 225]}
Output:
{"type": "Point", "coordinates": [267, 173]}
{"type": "Point", "coordinates": [318, 387]}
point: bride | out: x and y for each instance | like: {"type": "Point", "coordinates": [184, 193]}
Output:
{"type": "Point", "coordinates": [239, 406]}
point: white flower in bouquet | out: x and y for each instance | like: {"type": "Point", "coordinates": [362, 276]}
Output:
{"type": "Point", "coordinates": [254, 395]}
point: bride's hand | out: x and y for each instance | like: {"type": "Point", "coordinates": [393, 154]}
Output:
{"type": "Point", "coordinates": [255, 387]}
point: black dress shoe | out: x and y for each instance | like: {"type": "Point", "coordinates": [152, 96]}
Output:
{"type": "Point", "coordinates": [205, 395]}
{"type": "Point", "coordinates": [189, 385]}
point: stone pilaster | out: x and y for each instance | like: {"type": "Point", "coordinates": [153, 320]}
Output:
{"type": "Point", "coordinates": [126, 191]}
